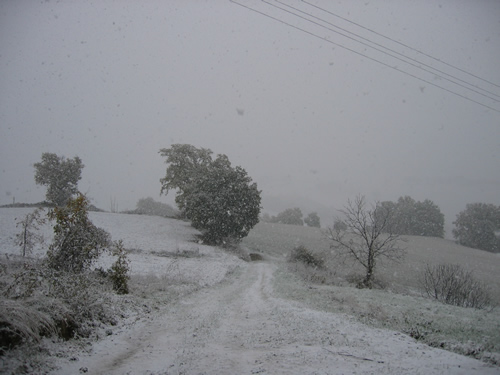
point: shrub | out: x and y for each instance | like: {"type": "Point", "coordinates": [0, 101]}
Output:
{"type": "Point", "coordinates": [119, 270]}
{"type": "Point", "coordinates": [453, 285]}
{"type": "Point", "coordinates": [77, 241]}
{"type": "Point", "coordinates": [304, 255]}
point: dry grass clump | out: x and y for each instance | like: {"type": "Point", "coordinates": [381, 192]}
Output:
{"type": "Point", "coordinates": [20, 322]}
{"type": "Point", "coordinates": [36, 302]}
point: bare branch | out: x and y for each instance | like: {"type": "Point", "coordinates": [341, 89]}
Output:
{"type": "Point", "coordinates": [365, 240]}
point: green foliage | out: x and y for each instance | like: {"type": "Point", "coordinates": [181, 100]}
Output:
{"type": "Point", "coordinates": [291, 216]}
{"type": "Point", "coordinates": [28, 237]}
{"type": "Point", "coordinates": [60, 175]}
{"type": "Point", "coordinates": [120, 268]}
{"type": "Point", "coordinates": [77, 241]}
{"type": "Point", "coordinates": [413, 218]}
{"type": "Point", "coordinates": [313, 220]}
{"type": "Point", "coordinates": [185, 164]}
{"type": "Point", "coordinates": [453, 285]}
{"type": "Point", "coordinates": [221, 201]}
{"type": "Point", "coordinates": [148, 206]}
{"type": "Point", "coordinates": [478, 226]}
{"type": "Point", "coordinates": [304, 255]}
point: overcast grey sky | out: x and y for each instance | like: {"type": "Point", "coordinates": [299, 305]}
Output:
{"type": "Point", "coordinates": [313, 123]}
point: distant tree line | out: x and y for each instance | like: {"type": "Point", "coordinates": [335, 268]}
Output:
{"type": "Point", "coordinates": [222, 201]}
{"type": "Point", "coordinates": [293, 216]}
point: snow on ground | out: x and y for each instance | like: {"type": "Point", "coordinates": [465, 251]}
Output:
{"type": "Point", "coordinates": [238, 325]}
{"type": "Point", "coordinates": [242, 327]}
{"type": "Point", "coordinates": [152, 240]}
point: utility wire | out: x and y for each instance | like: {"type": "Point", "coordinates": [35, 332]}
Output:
{"type": "Point", "coordinates": [368, 57]}
{"type": "Point", "coordinates": [388, 49]}
{"type": "Point", "coordinates": [402, 44]}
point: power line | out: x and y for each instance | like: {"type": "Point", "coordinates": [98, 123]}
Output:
{"type": "Point", "coordinates": [363, 55]}
{"type": "Point", "coordinates": [389, 49]}
{"type": "Point", "coordinates": [402, 44]}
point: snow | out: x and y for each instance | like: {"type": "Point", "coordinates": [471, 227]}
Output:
{"type": "Point", "coordinates": [235, 322]}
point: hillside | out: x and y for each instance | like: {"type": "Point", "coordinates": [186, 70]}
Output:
{"type": "Point", "coordinates": [199, 309]}
{"type": "Point", "coordinates": [277, 240]}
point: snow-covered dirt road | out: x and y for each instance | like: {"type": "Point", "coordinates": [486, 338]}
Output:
{"type": "Point", "coordinates": [241, 327]}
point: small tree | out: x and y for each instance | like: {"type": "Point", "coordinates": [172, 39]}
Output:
{"type": "Point", "coordinates": [291, 216]}
{"type": "Point", "coordinates": [77, 241]}
{"type": "Point", "coordinates": [313, 220]}
{"type": "Point", "coordinates": [478, 227]}
{"type": "Point", "coordinates": [60, 175]}
{"type": "Point", "coordinates": [29, 236]}
{"type": "Point", "coordinates": [365, 240]}
{"type": "Point", "coordinates": [120, 268]}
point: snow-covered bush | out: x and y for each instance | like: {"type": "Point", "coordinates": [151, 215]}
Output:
{"type": "Point", "coordinates": [302, 254]}
{"type": "Point", "coordinates": [451, 284]}
{"type": "Point", "coordinates": [77, 241]}
{"type": "Point", "coordinates": [119, 270]}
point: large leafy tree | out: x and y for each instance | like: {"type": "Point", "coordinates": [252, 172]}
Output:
{"type": "Point", "coordinates": [220, 200]}
{"type": "Point", "coordinates": [185, 164]}
{"type": "Point", "coordinates": [60, 175]}
{"type": "Point", "coordinates": [478, 226]}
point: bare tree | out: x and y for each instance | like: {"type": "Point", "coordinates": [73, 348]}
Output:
{"type": "Point", "coordinates": [29, 237]}
{"type": "Point", "coordinates": [366, 238]}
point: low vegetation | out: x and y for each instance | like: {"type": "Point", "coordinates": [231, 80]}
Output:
{"type": "Point", "coordinates": [399, 302]}
{"type": "Point", "coordinates": [148, 206]}
{"type": "Point", "coordinates": [305, 256]}
{"type": "Point", "coordinates": [453, 285]}
{"type": "Point", "coordinates": [60, 294]}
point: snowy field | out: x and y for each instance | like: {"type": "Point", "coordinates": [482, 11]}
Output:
{"type": "Point", "coordinates": [152, 241]}
{"type": "Point", "coordinates": [246, 318]}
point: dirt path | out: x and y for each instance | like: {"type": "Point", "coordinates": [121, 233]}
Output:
{"type": "Point", "coordinates": [240, 327]}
